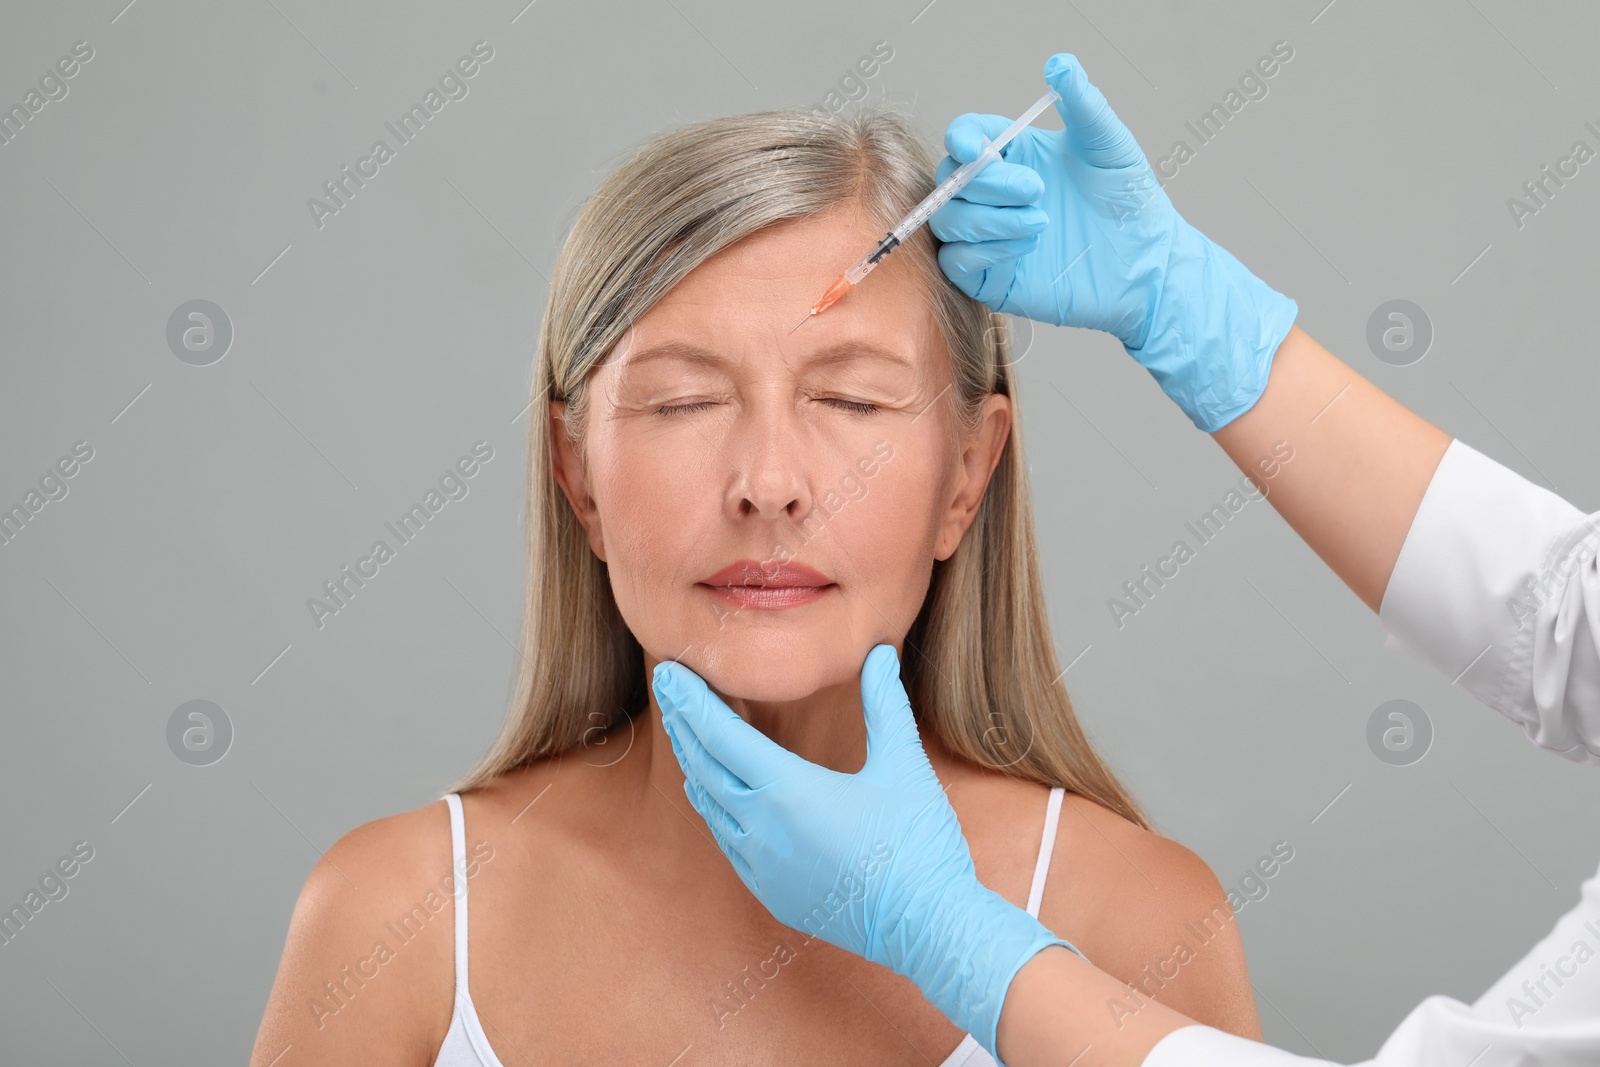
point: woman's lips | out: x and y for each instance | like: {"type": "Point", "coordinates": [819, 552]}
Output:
{"type": "Point", "coordinates": [747, 583]}
{"type": "Point", "coordinates": [769, 574]}
{"type": "Point", "coordinates": [767, 597]}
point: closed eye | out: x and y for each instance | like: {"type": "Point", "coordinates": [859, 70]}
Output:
{"type": "Point", "coordinates": [682, 409]}
{"type": "Point", "coordinates": [858, 406]}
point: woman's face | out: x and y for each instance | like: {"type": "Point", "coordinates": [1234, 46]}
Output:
{"type": "Point", "coordinates": [716, 439]}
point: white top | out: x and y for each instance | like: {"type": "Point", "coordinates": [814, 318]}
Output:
{"type": "Point", "coordinates": [1497, 587]}
{"type": "Point", "coordinates": [466, 1045]}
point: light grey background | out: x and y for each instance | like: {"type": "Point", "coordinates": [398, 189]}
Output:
{"type": "Point", "coordinates": [371, 353]}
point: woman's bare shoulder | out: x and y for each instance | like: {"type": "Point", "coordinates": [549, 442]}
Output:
{"type": "Point", "coordinates": [1108, 858]}
{"type": "Point", "coordinates": [1150, 912]}
{"type": "Point", "coordinates": [366, 969]}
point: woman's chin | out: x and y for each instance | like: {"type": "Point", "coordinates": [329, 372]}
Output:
{"type": "Point", "coordinates": [769, 668]}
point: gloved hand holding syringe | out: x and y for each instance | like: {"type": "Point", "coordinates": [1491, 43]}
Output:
{"type": "Point", "coordinates": [930, 203]}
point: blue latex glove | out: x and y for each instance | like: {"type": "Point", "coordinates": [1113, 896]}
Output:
{"type": "Point", "coordinates": [873, 862]}
{"type": "Point", "coordinates": [1071, 227]}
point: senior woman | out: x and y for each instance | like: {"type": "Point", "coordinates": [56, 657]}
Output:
{"type": "Point", "coordinates": [764, 508]}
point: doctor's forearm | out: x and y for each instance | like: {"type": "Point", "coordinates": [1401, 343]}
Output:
{"type": "Point", "coordinates": [1059, 1005]}
{"type": "Point", "coordinates": [1360, 465]}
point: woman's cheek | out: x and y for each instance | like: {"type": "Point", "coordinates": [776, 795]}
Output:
{"type": "Point", "coordinates": [898, 496]}
{"type": "Point", "coordinates": [889, 530]}
{"type": "Point", "coordinates": [646, 481]}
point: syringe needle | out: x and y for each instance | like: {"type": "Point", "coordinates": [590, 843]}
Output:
{"type": "Point", "coordinates": [839, 288]}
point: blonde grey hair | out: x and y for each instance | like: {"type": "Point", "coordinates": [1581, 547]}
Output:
{"type": "Point", "coordinates": [979, 663]}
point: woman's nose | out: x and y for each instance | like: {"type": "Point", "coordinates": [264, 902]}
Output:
{"type": "Point", "coordinates": [771, 455]}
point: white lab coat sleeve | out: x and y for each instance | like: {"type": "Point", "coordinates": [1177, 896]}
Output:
{"type": "Point", "coordinates": [1545, 1012]}
{"type": "Point", "coordinates": [1203, 1046]}
{"type": "Point", "coordinates": [1497, 587]}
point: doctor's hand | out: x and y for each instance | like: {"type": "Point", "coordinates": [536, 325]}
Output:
{"type": "Point", "coordinates": [1071, 227]}
{"type": "Point", "coordinates": [873, 862]}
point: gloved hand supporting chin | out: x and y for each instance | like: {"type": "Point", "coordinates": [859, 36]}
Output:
{"type": "Point", "coordinates": [873, 862]}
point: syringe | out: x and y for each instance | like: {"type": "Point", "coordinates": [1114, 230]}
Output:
{"type": "Point", "coordinates": [930, 203]}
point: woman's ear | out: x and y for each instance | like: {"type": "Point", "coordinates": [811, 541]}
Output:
{"type": "Point", "coordinates": [573, 479]}
{"type": "Point", "coordinates": [980, 453]}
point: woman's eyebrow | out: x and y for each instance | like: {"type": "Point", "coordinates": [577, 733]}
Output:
{"type": "Point", "coordinates": [839, 352]}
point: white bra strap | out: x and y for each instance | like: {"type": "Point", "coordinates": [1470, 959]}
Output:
{"type": "Point", "coordinates": [458, 883]}
{"type": "Point", "coordinates": [1052, 817]}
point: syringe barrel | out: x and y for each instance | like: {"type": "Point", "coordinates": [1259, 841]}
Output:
{"type": "Point", "coordinates": [948, 188]}
{"type": "Point", "coordinates": [963, 174]}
